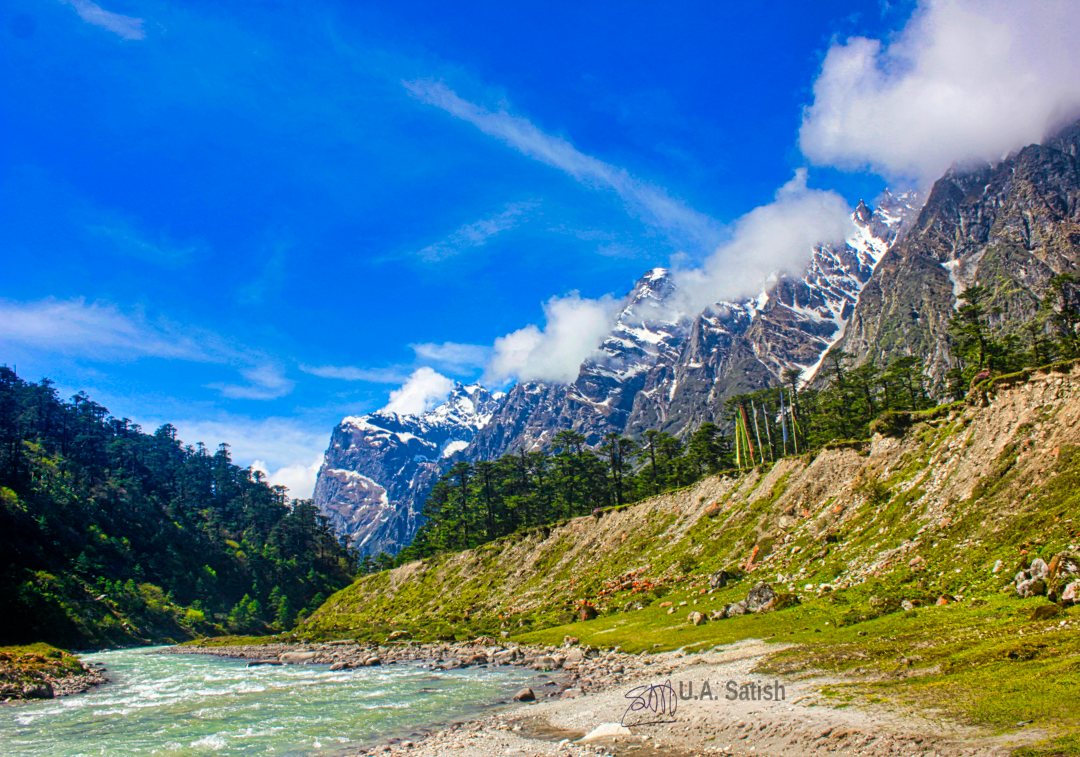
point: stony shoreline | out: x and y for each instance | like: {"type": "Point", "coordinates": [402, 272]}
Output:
{"type": "Point", "coordinates": [20, 683]}
{"type": "Point", "coordinates": [574, 669]}
{"type": "Point", "coordinates": [578, 711]}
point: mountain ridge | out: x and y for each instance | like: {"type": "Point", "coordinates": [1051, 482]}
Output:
{"type": "Point", "coordinates": [890, 290]}
{"type": "Point", "coordinates": [373, 494]}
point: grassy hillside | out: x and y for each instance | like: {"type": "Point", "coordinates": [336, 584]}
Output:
{"type": "Point", "coordinates": [937, 514]}
{"type": "Point", "coordinates": [916, 516]}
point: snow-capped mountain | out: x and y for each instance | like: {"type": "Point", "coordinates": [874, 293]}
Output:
{"type": "Point", "coordinates": [655, 369]}
{"type": "Point", "coordinates": [602, 397]}
{"type": "Point", "coordinates": [380, 466]}
{"type": "Point", "coordinates": [734, 347]}
{"type": "Point", "coordinates": [889, 290]}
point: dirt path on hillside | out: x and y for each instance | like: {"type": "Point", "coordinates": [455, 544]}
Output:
{"type": "Point", "coordinates": [801, 723]}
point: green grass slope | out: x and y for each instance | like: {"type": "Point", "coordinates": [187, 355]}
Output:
{"type": "Point", "coordinates": [941, 507]}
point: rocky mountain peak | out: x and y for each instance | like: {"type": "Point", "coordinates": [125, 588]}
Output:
{"type": "Point", "coordinates": [1010, 226]}
{"type": "Point", "coordinates": [862, 212]}
{"type": "Point", "coordinates": [379, 466]}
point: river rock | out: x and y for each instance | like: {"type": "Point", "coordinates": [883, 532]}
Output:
{"type": "Point", "coordinates": [372, 661]}
{"type": "Point", "coordinates": [574, 656]}
{"type": "Point", "coordinates": [605, 731]}
{"type": "Point", "coordinates": [296, 658]}
{"type": "Point", "coordinates": [547, 662]}
{"type": "Point", "coordinates": [525, 695]}
{"type": "Point", "coordinates": [505, 657]}
{"type": "Point", "coordinates": [38, 690]}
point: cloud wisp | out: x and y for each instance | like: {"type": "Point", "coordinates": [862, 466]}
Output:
{"type": "Point", "coordinates": [967, 80]}
{"type": "Point", "coordinates": [127, 239]}
{"type": "Point", "coordinates": [454, 357]}
{"type": "Point", "coordinates": [101, 332]}
{"type": "Point", "coordinates": [390, 375]}
{"type": "Point", "coordinates": [475, 234]}
{"type": "Point", "coordinates": [125, 27]}
{"type": "Point", "coordinates": [263, 382]}
{"type": "Point", "coordinates": [652, 204]}
{"type": "Point", "coordinates": [81, 329]}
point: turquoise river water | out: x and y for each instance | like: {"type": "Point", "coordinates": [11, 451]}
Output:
{"type": "Point", "coordinates": [166, 704]}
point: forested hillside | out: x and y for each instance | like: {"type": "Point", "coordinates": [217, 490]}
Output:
{"type": "Point", "coordinates": [109, 535]}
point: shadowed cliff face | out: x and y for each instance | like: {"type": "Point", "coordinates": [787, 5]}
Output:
{"type": "Point", "coordinates": [379, 467]}
{"type": "Point", "coordinates": [1008, 227]}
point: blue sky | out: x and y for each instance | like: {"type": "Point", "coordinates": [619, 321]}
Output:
{"type": "Point", "coordinates": [253, 218]}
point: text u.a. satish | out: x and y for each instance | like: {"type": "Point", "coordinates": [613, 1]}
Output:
{"type": "Point", "coordinates": [732, 691]}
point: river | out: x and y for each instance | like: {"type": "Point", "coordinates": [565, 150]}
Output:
{"type": "Point", "coordinates": [167, 704]}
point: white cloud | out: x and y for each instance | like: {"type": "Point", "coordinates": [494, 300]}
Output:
{"type": "Point", "coordinates": [101, 332]}
{"type": "Point", "coordinates": [127, 27]}
{"type": "Point", "coordinates": [965, 80]}
{"type": "Point", "coordinates": [771, 239]}
{"type": "Point", "coordinates": [264, 382]}
{"type": "Point", "coordinates": [75, 327]}
{"type": "Point", "coordinates": [573, 331]}
{"type": "Point", "coordinates": [391, 375]}
{"type": "Point", "coordinates": [651, 203]}
{"type": "Point", "coordinates": [298, 478]}
{"type": "Point", "coordinates": [423, 390]}
{"type": "Point", "coordinates": [452, 356]}
{"type": "Point", "coordinates": [286, 452]}
{"type": "Point", "coordinates": [475, 234]}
